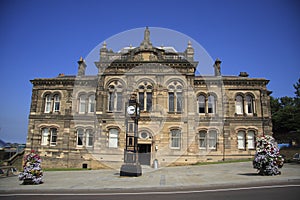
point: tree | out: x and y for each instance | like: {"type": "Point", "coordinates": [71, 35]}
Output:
{"type": "Point", "coordinates": [286, 114]}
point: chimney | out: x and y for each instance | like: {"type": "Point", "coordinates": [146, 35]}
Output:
{"type": "Point", "coordinates": [81, 67]}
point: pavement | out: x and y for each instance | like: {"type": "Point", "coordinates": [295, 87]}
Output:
{"type": "Point", "coordinates": [167, 178]}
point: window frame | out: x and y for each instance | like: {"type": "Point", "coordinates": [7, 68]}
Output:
{"type": "Point", "coordinates": [56, 103]}
{"type": "Point", "coordinates": [241, 140]}
{"type": "Point", "coordinates": [113, 138]}
{"type": "Point", "coordinates": [175, 139]}
{"type": "Point", "coordinates": [80, 131]}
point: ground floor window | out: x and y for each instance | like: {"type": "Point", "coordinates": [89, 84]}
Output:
{"type": "Point", "coordinates": [208, 139]}
{"type": "Point", "coordinates": [175, 138]}
{"type": "Point", "coordinates": [246, 139]}
{"type": "Point", "coordinates": [113, 138]}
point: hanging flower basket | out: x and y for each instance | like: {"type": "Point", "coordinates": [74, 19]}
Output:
{"type": "Point", "coordinates": [32, 171]}
{"type": "Point", "coordinates": [267, 159]}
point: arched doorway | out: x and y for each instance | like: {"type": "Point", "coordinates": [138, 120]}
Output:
{"type": "Point", "coordinates": [145, 147]}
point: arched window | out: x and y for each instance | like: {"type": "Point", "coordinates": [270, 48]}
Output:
{"type": "Point", "coordinates": [80, 136]}
{"type": "Point", "coordinates": [201, 103]}
{"type": "Point", "coordinates": [202, 140]}
{"type": "Point", "coordinates": [91, 108]}
{"type": "Point", "coordinates": [115, 96]}
{"type": "Point", "coordinates": [56, 105]}
{"type": "Point", "coordinates": [251, 139]}
{"type": "Point", "coordinates": [212, 139]}
{"type": "Point", "coordinates": [249, 104]}
{"type": "Point", "coordinates": [113, 138]}
{"type": "Point", "coordinates": [145, 96]}
{"type": "Point", "coordinates": [241, 140]}
{"type": "Point", "coordinates": [82, 104]}
{"type": "Point", "coordinates": [175, 98]}
{"type": "Point", "coordinates": [45, 136]}
{"type": "Point", "coordinates": [171, 102]}
{"type": "Point", "coordinates": [89, 138]}
{"type": "Point", "coordinates": [211, 104]}
{"type": "Point", "coordinates": [208, 140]}
{"type": "Point", "coordinates": [47, 103]}
{"type": "Point", "coordinates": [53, 136]}
{"type": "Point", "coordinates": [239, 109]}
{"type": "Point", "coordinates": [175, 137]}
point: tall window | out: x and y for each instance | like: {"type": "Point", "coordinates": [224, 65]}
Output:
{"type": "Point", "coordinates": [145, 96]}
{"type": "Point", "coordinates": [171, 102]}
{"type": "Point", "coordinates": [175, 138]}
{"type": "Point", "coordinates": [111, 101]}
{"type": "Point", "coordinates": [251, 139]}
{"type": "Point", "coordinates": [239, 105]}
{"type": "Point", "coordinates": [45, 136]}
{"type": "Point", "coordinates": [80, 136]}
{"type": "Point", "coordinates": [82, 104]}
{"type": "Point", "coordinates": [179, 101]}
{"type": "Point", "coordinates": [56, 105]}
{"type": "Point", "coordinates": [47, 103]}
{"type": "Point", "coordinates": [53, 138]}
{"type": "Point", "coordinates": [208, 140]}
{"type": "Point", "coordinates": [89, 138]}
{"type": "Point", "coordinates": [91, 104]}
{"type": "Point", "coordinates": [115, 96]}
{"type": "Point", "coordinates": [175, 98]}
{"type": "Point", "coordinates": [113, 138]}
{"type": "Point", "coordinates": [212, 139]}
{"type": "Point", "coordinates": [241, 140]}
{"type": "Point", "coordinates": [201, 103]}
{"type": "Point", "coordinates": [149, 101]}
{"type": "Point", "coordinates": [249, 104]}
{"type": "Point", "coordinates": [202, 139]}
{"type": "Point", "coordinates": [119, 101]}
{"type": "Point", "coordinates": [211, 104]}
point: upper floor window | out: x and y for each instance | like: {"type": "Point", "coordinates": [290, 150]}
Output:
{"type": "Point", "coordinates": [91, 108]}
{"type": "Point", "coordinates": [175, 97]}
{"type": "Point", "coordinates": [244, 104]}
{"type": "Point", "coordinates": [47, 103]}
{"type": "Point", "coordinates": [82, 104]}
{"type": "Point", "coordinates": [206, 104]}
{"type": "Point", "coordinates": [115, 96]}
{"type": "Point", "coordinates": [145, 96]}
{"type": "Point", "coordinates": [239, 108]}
{"type": "Point", "coordinates": [56, 103]}
{"type": "Point", "coordinates": [201, 103]}
{"type": "Point", "coordinates": [211, 104]}
{"type": "Point", "coordinates": [175, 139]}
{"type": "Point", "coordinates": [52, 103]}
{"type": "Point", "coordinates": [249, 104]}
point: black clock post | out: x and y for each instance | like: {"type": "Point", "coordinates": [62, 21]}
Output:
{"type": "Point", "coordinates": [131, 166]}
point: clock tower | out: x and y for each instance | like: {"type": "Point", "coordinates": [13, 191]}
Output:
{"type": "Point", "coordinates": [131, 166]}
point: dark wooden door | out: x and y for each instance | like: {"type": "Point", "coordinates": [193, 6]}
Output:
{"type": "Point", "coordinates": [144, 154]}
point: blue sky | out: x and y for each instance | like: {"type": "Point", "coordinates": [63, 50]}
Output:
{"type": "Point", "coordinates": [42, 38]}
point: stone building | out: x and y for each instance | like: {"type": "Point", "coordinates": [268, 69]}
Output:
{"type": "Point", "coordinates": [78, 121]}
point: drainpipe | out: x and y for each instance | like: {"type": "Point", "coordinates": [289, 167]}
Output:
{"type": "Point", "coordinates": [262, 112]}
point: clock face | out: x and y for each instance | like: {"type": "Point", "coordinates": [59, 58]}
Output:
{"type": "Point", "coordinates": [130, 110]}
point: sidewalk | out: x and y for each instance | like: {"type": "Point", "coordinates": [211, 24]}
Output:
{"type": "Point", "coordinates": [220, 175]}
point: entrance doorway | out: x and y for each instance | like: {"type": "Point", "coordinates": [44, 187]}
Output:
{"type": "Point", "coordinates": [144, 151]}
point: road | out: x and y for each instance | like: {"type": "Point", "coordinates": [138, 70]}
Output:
{"type": "Point", "coordinates": [278, 192]}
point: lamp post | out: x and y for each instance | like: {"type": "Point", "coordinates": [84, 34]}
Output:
{"type": "Point", "coordinates": [131, 166]}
